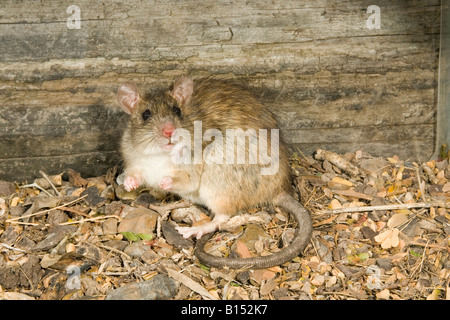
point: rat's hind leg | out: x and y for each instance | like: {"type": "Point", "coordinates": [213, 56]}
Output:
{"type": "Point", "coordinates": [203, 229]}
{"type": "Point", "coordinates": [222, 209]}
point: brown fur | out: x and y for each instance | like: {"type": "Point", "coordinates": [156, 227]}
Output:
{"type": "Point", "coordinates": [226, 189]}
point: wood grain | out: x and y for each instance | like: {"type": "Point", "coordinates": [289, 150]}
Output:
{"type": "Point", "coordinates": [332, 82]}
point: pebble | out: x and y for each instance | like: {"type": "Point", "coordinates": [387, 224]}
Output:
{"type": "Point", "coordinates": [252, 233]}
{"type": "Point", "coordinates": [110, 226]}
{"type": "Point", "coordinates": [317, 280]}
{"type": "Point", "coordinates": [160, 287]}
{"type": "Point", "coordinates": [384, 263]}
{"type": "Point", "coordinates": [117, 244]}
{"type": "Point", "coordinates": [7, 188]}
{"type": "Point", "coordinates": [368, 233]}
{"type": "Point", "coordinates": [280, 293]}
{"type": "Point", "coordinates": [136, 249]}
{"type": "Point", "coordinates": [56, 217]}
{"type": "Point", "coordinates": [93, 198]}
{"type": "Point", "coordinates": [144, 199]}
{"type": "Point", "coordinates": [139, 220]}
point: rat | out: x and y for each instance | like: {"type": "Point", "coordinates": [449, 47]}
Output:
{"type": "Point", "coordinates": [158, 152]}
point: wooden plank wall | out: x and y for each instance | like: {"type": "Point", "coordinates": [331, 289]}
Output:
{"type": "Point", "coordinates": [332, 82]}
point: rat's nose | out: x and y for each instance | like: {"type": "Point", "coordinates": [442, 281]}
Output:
{"type": "Point", "coordinates": [168, 130]}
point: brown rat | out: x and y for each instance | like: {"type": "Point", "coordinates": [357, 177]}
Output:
{"type": "Point", "coordinates": [211, 169]}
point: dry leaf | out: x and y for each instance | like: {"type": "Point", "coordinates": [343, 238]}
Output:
{"type": "Point", "coordinates": [335, 204]}
{"type": "Point", "coordinates": [388, 239]}
{"type": "Point", "coordinates": [318, 280]}
{"type": "Point", "coordinates": [342, 181]}
{"type": "Point", "coordinates": [275, 269]}
{"type": "Point", "coordinates": [397, 220]}
{"type": "Point", "coordinates": [242, 250]}
{"type": "Point", "coordinates": [434, 295]}
{"type": "Point", "coordinates": [352, 193]}
{"type": "Point", "coordinates": [384, 294]}
{"type": "Point", "coordinates": [191, 284]}
{"type": "Point", "coordinates": [446, 187]}
{"type": "Point", "coordinates": [236, 293]}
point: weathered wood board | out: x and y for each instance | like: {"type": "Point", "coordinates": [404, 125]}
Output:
{"type": "Point", "coordinates": [332, 82]}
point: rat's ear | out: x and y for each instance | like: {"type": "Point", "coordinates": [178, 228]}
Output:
{"type": "Point", "coordinates": [182, 90]}
{"type": "Point", "coordinates": [128, 96]}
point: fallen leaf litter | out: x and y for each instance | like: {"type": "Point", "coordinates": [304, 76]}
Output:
{"type": "Point", "coordinates": [381, 231]}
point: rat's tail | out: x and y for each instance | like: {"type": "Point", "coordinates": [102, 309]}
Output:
{"type": "Point", "coordinates": [298, 244]}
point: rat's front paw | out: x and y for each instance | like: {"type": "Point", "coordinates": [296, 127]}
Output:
{"type": "Point", "coordinates": [166, 183]}
{"type": "Point", "coordinates": [131, 183]}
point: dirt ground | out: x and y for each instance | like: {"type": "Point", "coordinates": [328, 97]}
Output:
{"type": "Point", "coordinates": [381, 231]}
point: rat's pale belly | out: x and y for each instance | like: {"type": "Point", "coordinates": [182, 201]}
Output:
{"type": "Point", "coordinates": [154, 169]}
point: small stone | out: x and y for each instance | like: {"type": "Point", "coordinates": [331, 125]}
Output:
{"type": "Point", "coordinates": [287, 236]}
{"type": "Point", "coordinates": [318, 280]}
{"type": "Point", "coordinates": [16, 211]}
{"type": "Point", "coordinates": [123, 194]}
{"type": "Point", "coordinates": [160, 287]}
{"type": "Point", "coordinates": [98, 182]}
{"type": "Point", "coordinates": [144, 199]}
{"type": "Point", "coordinates": [267, 287]}
{"type": "Point", "coordinates": [383, 295]}
{"type": "Point", "coordinates": [136, 249]}
{"type": "Point", "coordinates": [116, 244]}
{"type": "Point", "coordinates": [368, 233]}
{"type": "Point", "coordinates": [384, 263]}
{"type": "Point", "coordinates": [150, 256]}
{"type": "Point", "coordinates": [280, 293]}
{"type": "Point", "coordinates": [243, 277]}
{"type": "Point", "coordinates": [252, 233]}
{"type": "Point", "coordinates": [139, 220]}
{"type": "Point", "coordinates": [93, 198]}
{"type": "Point", "coordinates": [9, 236]}
{"type": "Point", "coordinates": [114, 208]}
{"type": "Point", "coordinates": [56, 217]}
{"type": "Point", "coordinates": [110, 226]}
{"type": "Point", "coordinates": [109, 193]}
{"type": "Point", "coordinates": [25, 243]}
{"type": "Point", "coordinates": [7, 188]}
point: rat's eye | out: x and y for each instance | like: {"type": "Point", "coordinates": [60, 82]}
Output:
{"type": "Point", "coordinates": [146, 114]}
{"type": "Point", "coordinates": [176, 111]}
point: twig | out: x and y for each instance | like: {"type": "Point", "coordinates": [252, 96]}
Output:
{"type": "Point", "coordinates": [11, 248]}
{"type": "Point", "coordinates": [338, 161]}
{"type": "Point", "coordinates": [387, 207]}
{"type": "Point", "coordinates": [422, 192]}
{"type": "Point", "coordinates": [51, 183]}
{"type": "Point", "coordinates": [110, 249]}
{"type": "Point", "coordinates": [55, 250]}
{"type": "Point", "coordinates": [92, 219]}
{"type": "Point", "coordinates": [25, 223]}
{"type": "Point", "coordinates": [191, 284]}
{"type": "Point", "coordinates": [35, 185]}
{"type": "Point", "coordinates": [75, 211]}
{"type": "Point", "coordinates": [421, 261]}
{"type": "Point", "coordinates": [45, 211]}
{"type": "Point", "coordinates": [430, 174]}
